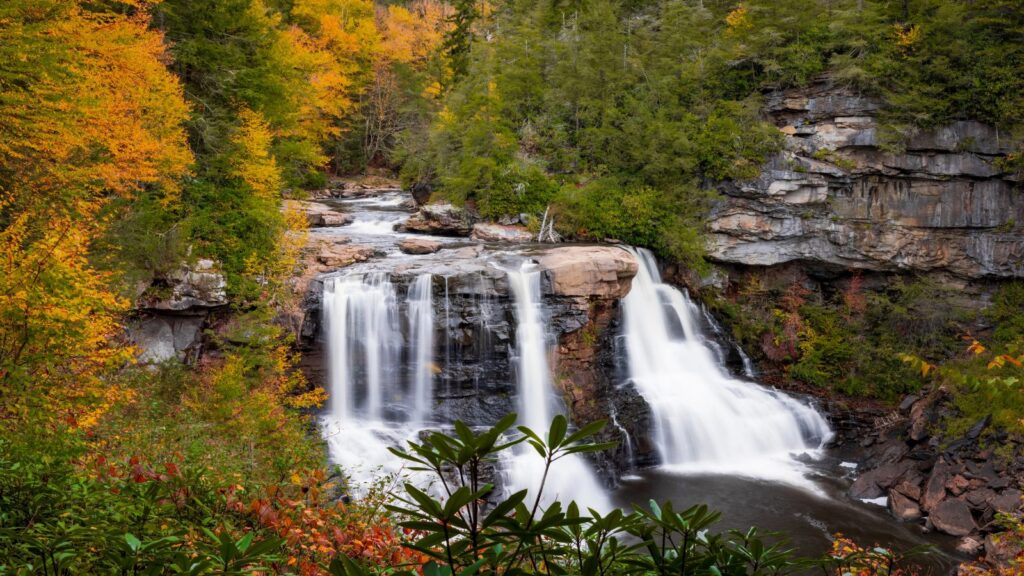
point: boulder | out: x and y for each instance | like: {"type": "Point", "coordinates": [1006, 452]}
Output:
{"type": "Point", "coordinates": [957, 485]}
{"type": "Point", "coordinates": [487, 232]}
{"type": "Point", "coordinates": [439, 219]}
{"type": "Point", "coordinates": [419, 246]}
{"type": "Point", "coordinates": [589, 271]}
{"type": "Point", "coordinates": [935, 487]}
{"type": "Point", "coordinates": [970, 546]}
{"type": "Point", "coordinates": [980, 498]}
{"type": "Point", "coordinates": [953, 516]}
{"type": "Point", "coordinates": [875, 482]}
{"type": "Point", "coordinates": [319, 215]}
{"type": "Point", "coordinates": [339, 256]}
{"type": "Point", "coordinates": [903, 509]}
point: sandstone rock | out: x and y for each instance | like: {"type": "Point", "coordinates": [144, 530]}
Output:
{"type": "Point", "coordinates": [498, 233]}
{"type": "Point", "coordinates": [953, 517]}
{"type": "Point", "coordinates": [339, 256]}
{"type": "Point", "coordinates": [419, 246]}
{"type": "Point", "coordinates": [980, 498]}
{"type": "Point", "coordinates": [441, 220]}
{"type": "Point", "coordinates": [589, 271]}
{"type": "Point", "coordinates": [910, 489]}
{"type": "Point", "coordinates": [319, 215]}
{"type": "Point", "coordinates": [903, 509]}
{"type": "Point", "coordinates": [192, 287]}
{"type": "Point", "coordinates": [163, 337]}
{"type": "Point", "coordinates": [834, 197]}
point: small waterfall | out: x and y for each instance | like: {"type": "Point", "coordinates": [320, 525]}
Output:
{"type": "Point", "coordinates": [570, 478]}
{"type": "Point", "coordinates": [421, 341]}
{"type": "Point", "coordinates": [705, 420]}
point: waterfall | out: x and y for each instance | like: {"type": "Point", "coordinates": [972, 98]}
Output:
{"type": "Point", "coordinates": [705, 420]}
{"type": "Point", "coordinates": [421, 336]}
{"type": "Point", "coordinates": [570, 478]}
{"type": "Point", "coordinates": [364, 340]}
{"type": "Point", "coordinates": [374, 402]}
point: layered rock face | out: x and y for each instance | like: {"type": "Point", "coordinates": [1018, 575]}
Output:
{"type": "Point", "coordinates": [836, 197]}
{"type": "Point", "coordinates": [173, 311]}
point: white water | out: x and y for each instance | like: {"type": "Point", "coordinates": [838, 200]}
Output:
{"type": "Point", "coordinates": [368, 399]}
{"type": "Point", "coordinates": [421, 333]}
{"type": "Point", "coordinates": [570, 478]}
{"type": "Point", "coordinates": [705, 420]}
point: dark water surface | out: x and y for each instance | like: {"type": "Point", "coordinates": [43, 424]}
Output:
{"type": "Point", "coordinates": [807, 519]}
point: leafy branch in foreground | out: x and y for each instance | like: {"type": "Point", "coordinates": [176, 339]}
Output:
{"type": "Point", "coordinates": [466, 526]}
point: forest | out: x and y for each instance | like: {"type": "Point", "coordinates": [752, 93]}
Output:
{"type": "Point", "coordinates": [147, 143]}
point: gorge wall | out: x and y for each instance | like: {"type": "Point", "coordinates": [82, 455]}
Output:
{"type": "Point", "coordinates": [837, 197]}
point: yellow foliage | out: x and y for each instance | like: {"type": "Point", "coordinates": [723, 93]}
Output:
{"type": "Point", "coordinates": [255, 164]}
{"type": "Point", "coordinates": [739, 19]}
{"type": "Point", "coordinates": [907, 36]}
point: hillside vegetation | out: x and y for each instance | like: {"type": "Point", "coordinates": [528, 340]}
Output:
{"type": "Point", "coordinates": [137, 136]}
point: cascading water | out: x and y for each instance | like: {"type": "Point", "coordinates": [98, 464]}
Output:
{"type": "Point", "coordinates": [705, 420]}
{"type": "Point", "coordinates": [421, 332]}
{"type": "Point", "coordinates": [570, 478]}
{"type": "Point", "coordinates": [372, 406]}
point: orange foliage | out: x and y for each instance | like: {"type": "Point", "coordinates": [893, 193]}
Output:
{"type": "Point", "coordinates": [89, 111]}
{"type": "Point", "coordinates": [316, 528]}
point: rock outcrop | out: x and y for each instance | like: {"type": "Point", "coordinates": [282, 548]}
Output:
{"type": "Point", "coordinates": [836, 197]}
{"type": "Point", "coordinates": [172, 311]}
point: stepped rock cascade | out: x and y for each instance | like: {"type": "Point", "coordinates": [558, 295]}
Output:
{"type": "Point", "coordinates": [706, 420]}
{"type": "Point", "coordinates": [570, 478]}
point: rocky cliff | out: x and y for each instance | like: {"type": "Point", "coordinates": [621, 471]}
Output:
{"type": "Point", "coordinates": [838, 197]}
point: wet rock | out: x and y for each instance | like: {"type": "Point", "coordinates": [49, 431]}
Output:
{"type": "Point", "coordinates": [419, 246]}
{"type": "Point", "coordinates": [440, 220]}
{"type": "Point", "coordinates": [487, 232]}
{"type": "Point", "coordinates": [589, 271]}
{"type": "Point", "coordinates": [903, 509]}
{"type": "Point", "coordinates": [953, 516]}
